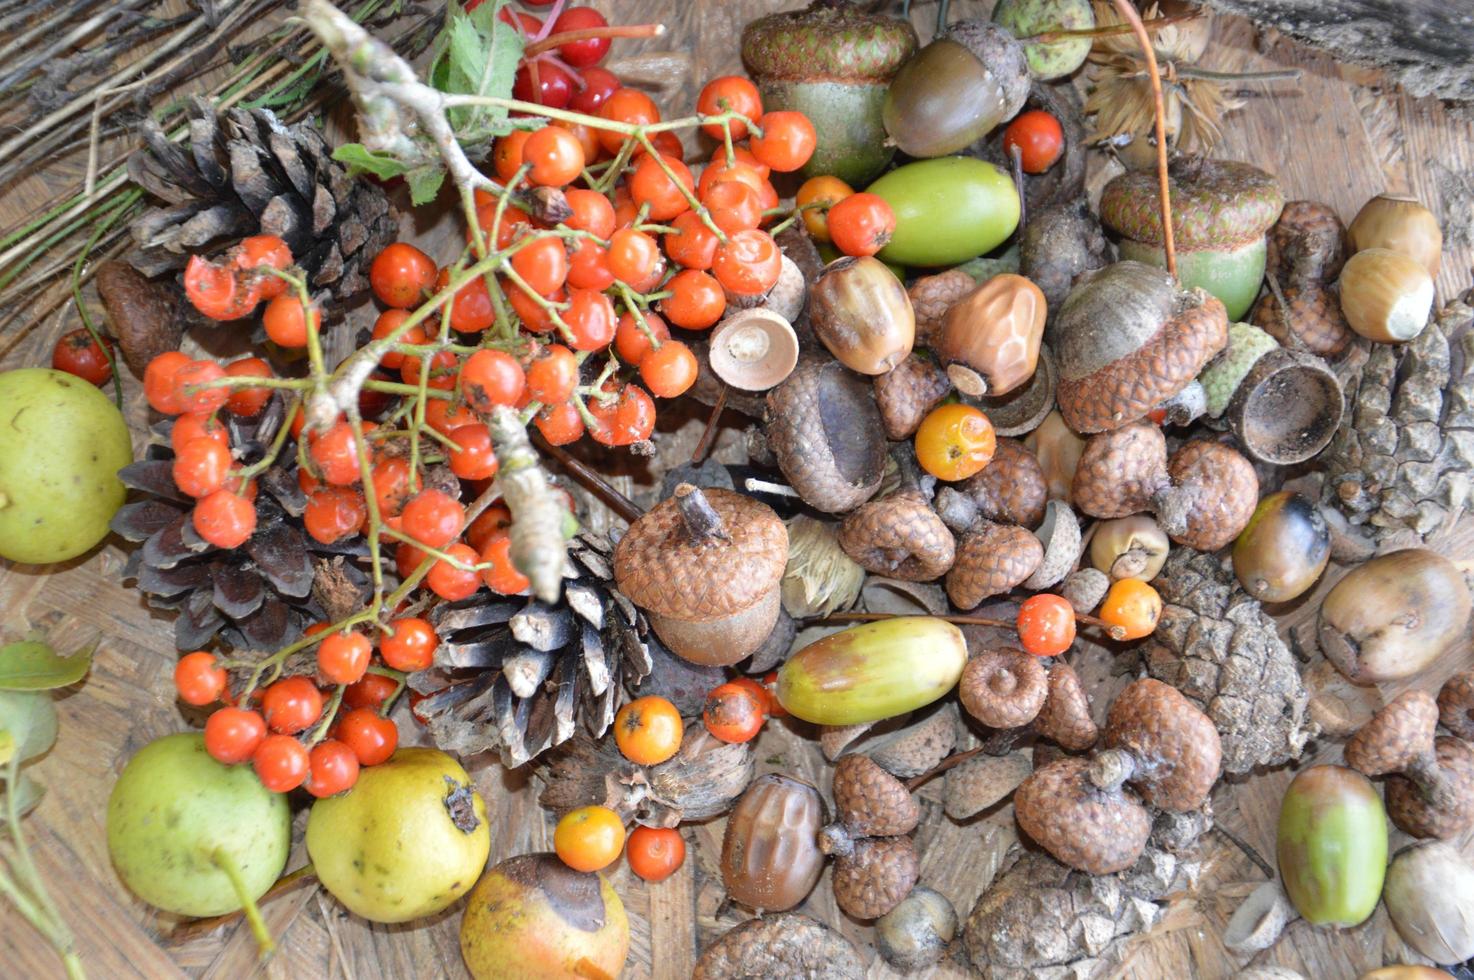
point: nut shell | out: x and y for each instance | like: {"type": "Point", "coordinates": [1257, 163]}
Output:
{"type": "Point", "coordinates": [1003, 688]}
{"type": "Point", "coordinates": [660, 567]}
{"type": "Point", "coordinates": [770, 856]}
{"type": "Point", "coordinates": [1456, 705]}
{"type": "Point", "coordinates": [870, 801]}
{"type": "Point", "coordinates": [1120, 471]}
{"type": "Point", "coordinates": [790, 944]}
{"type": "Point", "coordinates": [873, 879]}
{"type": "Point", "coordinates": [1414, 814]}
{"type": "Point", "coordinates": [1175, 747]}
{"type": "Point", "coordinates": [824, 429]}
{"type": "Point", "coordinates": [983, 781]}
{"type": "Point", "coordinates": [1065, 717]}
{"type": "Point", "coordinates": [1399, 733]}
{"type": "Point", "coordinates": [1215, 491]}
{"type": "Point", "coordinates": [990, 561]}
{"type": "Point", "coordinates": [860, 311]}
{"type": "Point", "coordinates": [899, 536]}
{"type": "Point", "coordinates": [1090, 829]}
{"type": "Point", "coordinates": [1011, 488]}
{"type": "Point", "coordinates": [906, 392]}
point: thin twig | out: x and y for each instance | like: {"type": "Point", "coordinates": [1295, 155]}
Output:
{"type": "Point", "coordinates": [1111, 30]}
{"type": "Point", "coordinates": [709, 434]}
{"type": "Point", "coordinates": [1115, 632]}
{"type": "Point", "coordinates": [952, 760]}
{"type": "Point", "coordinates": [591, 481]}
{"type": "Point", "coordinates": [1249, 851]}
{"type": "Point", "coordinates": [1159, 122]}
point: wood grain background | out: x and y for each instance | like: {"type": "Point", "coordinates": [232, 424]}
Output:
{"type": "Point", "coordinates": [1337, 136]}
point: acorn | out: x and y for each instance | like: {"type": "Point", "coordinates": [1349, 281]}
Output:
{"type": "Point", "coordinates": [831, 61]}
{"type": "Point", "coordinates": [1011, 488]}
{"type": "Point", "coordinates": [1162, 744]}
{"type": "Point", "coordinates": [824, 429]}
{"type": "Point", "coordinates": [870, 802]}
{"type": "Point", "coordinates": [991, 560]}
{"type": "Point", "coordinates": [770, 857]}
{"type": "Point", "coordinates": [1120, 472]}
{"type": "Point", "coordinates": [899, 536]}
{"type": "Point", "coordinates": [1065, 718]}
{"type": "Point", "coordinates": [1127, 339]}
{"type": "Point", "coordinates": [991, 336]}
{"type": "Point", "coordinates": [860, 311]}
{"type": "Point", "coordinates": [875, 875]}
{"type": "Point", "coordinates": [1401, 224]}
{"type": "Point", "coordinates": [1387, 296]}
{"type": "Point", "coordinates": [1028, 18]}
{"type": "Point", "coordinates": [956, 90]}
{"type": "Point", "coordinates": [1057, 447]}
{"type": "Point", "coordinates": [1058, 244]}
{"type": "Point", "coordinates": [706, 567]}
{"type": "Point", "coordinates": [907, 392]}
{"type": "Point", "coordinates": [932, 296]}
{"type": "Point", "coordinates": [787, 945]}
{"type": "Point", "coordinates": [1221, 210]}
{"type": "Point", "coordinates": [1085, 589]}
{"type": "Point", "coordinates": [1456, 705]}
{"type": "Point", "coordinates": [1306, 244]}
{"type": "Point", "coordinates": [1432, 793]}
{"type": "Point", "coordinates": [917, 932]}
{"type": "Point", "coordinates": [1284, 548]}
{"type": "Point", "coordinates": [1083, 825]}
{"type": "Point", "coordinates": [1003, 688]}
{"type": "Point", "coordinates": [1214, 492]}
{"type": "Point", "coordinates": [1314, 319]}
{"type": "Point", "coordinates": [1129, 547]}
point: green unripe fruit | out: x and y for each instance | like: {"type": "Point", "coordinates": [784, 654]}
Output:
{"type": "Point", "coordinates": [408, 840]}
{"type": "Point", "coordinates": [872, 672]}
{"type": "Point", "coordinates": [180, 826]}
{"type": "Point", "coordinates": [948, 210]}
{"type": "Point", "coordinates": [1332, 846]}
{"type": "Point", "coordinates": [62, 443]}
{"type": "Point", "coordinates": [1027, 18]}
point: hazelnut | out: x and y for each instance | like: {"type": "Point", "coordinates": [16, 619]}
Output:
{"type": "Point", "coordinates": [992, 335]}
{"type": "Point", "coordinates": [1386, 296]}
{"type": "Point", "coordinates": [1003, 688]}
{"type": "Point", "coordinates": [1400, 224]}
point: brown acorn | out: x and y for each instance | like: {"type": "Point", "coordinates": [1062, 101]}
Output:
{"type": "Point", "coordinates": [899, 536]}
{"type": "Point", "coordinates": [770, 854]}
{"type": "Point", "coordinates": [1003, 688]}
{"type": "Point", "coordinates": [932, 296]}
{"type": "Point", "coordinates": [785, 945]}
{"type": "Point", "coordinates": [1306, 244]}
{"type": "Point", "coordinates": [1085, 589]}
{"type": "Point", "coordinates": [1092, 829]}
{"type": "Point", "coordinates": [906, 392]}
{"type": "Point", "coordinates": [991, 559]}
{"type": "Point", "coordinates": [1214, 494]}
{"type": "Point", "coordinates": [1065, 717]}
{"type": "Point", "coordinates": [870, 802]}
{"type": "Point", "coordinates": [872, 878]}
{"type": "Point", "coordinates": [1443, 815]}
{"type": "Point", "coordinates": [1456, 705]}
{"type": "Point", "coordinates": [824, 429]}
{"type": "Point", "coordinates": [1011, 488]}
{"type": "Point", "coordinates": [1431, 792]}
{"type": "Point", "coordinates": [1314, 320]}
{"type": "Point", "coordinates": [1162, 744]}
{"type": "Point", "coordinates": [1120, 471]}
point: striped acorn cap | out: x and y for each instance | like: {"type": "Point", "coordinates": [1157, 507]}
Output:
{"type": "Point", "coordinates": [1215, 203]}
{"type": "Point", "coordinates": [827, 40]}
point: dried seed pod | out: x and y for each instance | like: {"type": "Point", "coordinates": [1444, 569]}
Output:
{"type": "Point", "coordinates": [1214, 494]}
{"type": "Point", "coordinates": [1059, 536]}
{"type": "Point", "coordinates": [144, 314]}
{"type": "Point", "coordinates": [770, 854]}
{"type": "Point", "coordinates": [1160, 742]}
{"type": "Point", "coordinates": [1311, 317]}
{"type": "Point", "coordinates": [992, 336]}
{"type": "Point", "coordinates": [917, 932]}
{"type": "Point", "coordinates": [874, 877]}
{"type": "Point", "coordinates": [991, 560]}
{"type": "Point", "coordinates": [1456, 705]}
{"type": "Point", "coordinates": [1448, 813]}
{"type": "Point", "coordinates": [1082, 825]}
{"type": "Point", "coordinates": [1120, 472]}
{"type": "Point", "coordinates": [1065, 717]}
{"type": "Point", "coordinates": [753, 349]}
{"type": "Point", "coordinates": [870, 802]}
{"type": "Point", "coordinates": [899, 536]}
{"type": "Point", "coordinates": [791, 945]}
{"type": "Point", "coordinates": [861, 312]}
{"type": "Point", "coordinates": [1387, 296]}
{"type": "Point", "coordinates": [1011, 488]}
{"type": "Point", "coordinates": [1400, 224]}
{"type": "Point", "coordinates": [1307, 244]}
{"type": "Point", "coordinates": [1127, 340]}
{"type": "Point", "coordinates": [706, 566]}
{"type": "Point", "coordinates": [1003, 688]}
{"type": "Point", "coordinates": [932, 296]}
{"type": "Point", "coordinates": [983, 781]}
{"type": "Point", "coordinates": [908, 391]}
{"type": "Point", "coordinates": [824, 429]}
{"type": "Point", "coordinates": [1085, 589]}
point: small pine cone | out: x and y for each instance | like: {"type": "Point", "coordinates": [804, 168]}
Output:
{"type": "Point", "coordinates": [1315, 320]}
{"type": "Point", "coordinates": [1120, 471]}
{"type": "Point", "coordinates": [1411, 811]}
{"type": "Point", "coordinates": [870, 801]}
{"type": "Point", "coordinates": [1011, 488]}
{"type": "Point", "coordinates": [899, 536]}
{"type": "Point", "coordinates": [933, 296]}
{"type": "Point", "coordinates": [1307, 244]}
{"type": "Point", "coordinates": [873, 879]}
{"type": "Point", "coordinates": [907, 392]}
{"type": "Point", "coordinates": [990, 561]}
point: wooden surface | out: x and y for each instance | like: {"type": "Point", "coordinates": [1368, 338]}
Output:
{"type": "Point", "coordinates": [1337, 138]}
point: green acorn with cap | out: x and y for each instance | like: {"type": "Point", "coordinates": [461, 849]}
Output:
{"type": "Point", "coordinates": [833, 62]}
{"type": "Point", "coordinates": [1221, 210]}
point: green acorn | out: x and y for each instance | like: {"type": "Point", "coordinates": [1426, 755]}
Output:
{"type": "Point", "coordinates": [832, 62]}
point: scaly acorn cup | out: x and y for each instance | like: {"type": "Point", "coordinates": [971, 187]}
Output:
{"type": "Point", "coordinates": [833, 62]}
{"type": "Point", "coordinates": [873, 671]}
{"type": "Point", "coordinates": [1221, 210]}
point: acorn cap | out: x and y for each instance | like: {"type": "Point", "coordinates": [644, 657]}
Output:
{"type": "Point", "coordinates": [1287, 407]}
{"type": "Point", "coordinates": [1098, 831]}
{"type": "Point", "coordinates": [932, 296]}
{"type": "Point", "coordinates": [829, 40]}
{"type": "Point", "coordinates": [1409, 805]}
{"type": "Point", "coordinates": [1307, 244]}
{"type": "Point", "coordinates": [983, 781]}
{"type": "Point", "coordinates": [1315, 319]}
{"type": "Point", "coordinates": [1024, 409]}
{"type": "Point", "coordinates": [1398, 734]}
{"type": "Point", "coordinates": [1215, 204]}
{"type": "Point", "coordinates": [1003, 688]}
{"type": "Point", "coordinates": [870, 802]}
{"type": "Point", "coordinates": [824, 429]}
{"type": "Point", "coordinates": [1065, 718]}
{"type": "Point", "coordinates": [753, 349]}
{"type": "Point", "coordinates": [1085, 588]}
{"type": "Point", "coordinates": [1456, 705]}
{"type": "Point", "coordinates": [919, 746]}
{"type": "Point", "coordinates": [991, 560]}
{"type": "Point", "coordinates": [1164, 746]}
{"type": "Point", "coordinates": [1059, 536]}
{"type": "Point", "coordinates": [1215, 490]}
{"type": "Point", "coordinates": [787, 944]}
{"type": "Point", "coordinates": [907, 392]}
{"type": "Point", "coordinates": [899, 536]}
{"type": "Point", "coordinates": [1246, 344]}
{"type": "Point", "coordinates": [1011, 488]}
{"type": "Point", "coordinates": [872, 879]}
{"type": "Point", "coordinates": [1120, 471]}
{"type": "Point", "coordinates": [664, 566]}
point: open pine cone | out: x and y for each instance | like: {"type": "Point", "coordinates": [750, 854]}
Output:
{"type": "Point", "coordinates": [516, 674]}
{"type": "Point", "coordinates": [244, 173]}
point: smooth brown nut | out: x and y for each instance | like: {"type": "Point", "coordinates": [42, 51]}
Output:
{"type": "Point", "coordinates": [994, 332]}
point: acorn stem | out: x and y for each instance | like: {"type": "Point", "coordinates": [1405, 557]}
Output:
{"type": "Point", "coordinates": [703, 525]}
{"type": "Point", "coordinates": [1159, 125]}
{"type": "Point", "coordinates": [1432, 782]}
{"type": "Point", "coordinates": [1110, 769]}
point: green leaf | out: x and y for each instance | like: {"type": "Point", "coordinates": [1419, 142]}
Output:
{"type": "Point", "coordinates": [28, 720]}
{"type": "Point", "coordinates": [360, 159]}
{"type": "Point", "coordinates": [34, 666]}
{"type": "Point", "coordinates": [424, 184]}
{"type": "Point", "coordinates": [478, 54]}
{"type": "Point", "coordinates": [27, 794]}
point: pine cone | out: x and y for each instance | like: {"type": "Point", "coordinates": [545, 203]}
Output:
{"type": "Point", "coordinates": [244, 173]}
{"type": "Point", "coordinates": [516, 675]}
{"type": "Point", "coordinates": [1402, 458]}
{"type": "Point", "coordinates": [259, 596]}
{"type": "Point", "coordinates": [1217, 646]}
